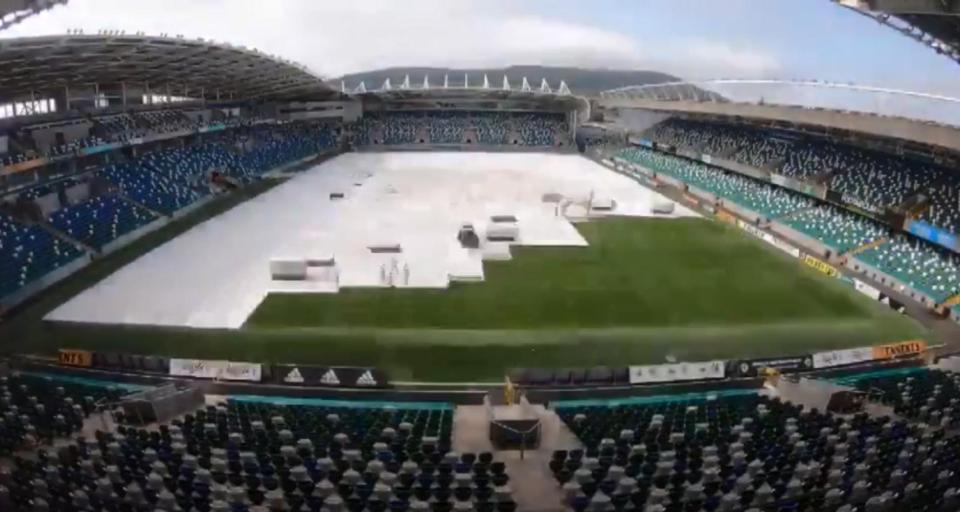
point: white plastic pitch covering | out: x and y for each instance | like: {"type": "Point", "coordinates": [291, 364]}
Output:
{"type": "Point", "coordinates": [216, 274]}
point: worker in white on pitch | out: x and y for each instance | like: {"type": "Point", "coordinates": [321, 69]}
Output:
{"type": "Point", "coordinates": [406, 273]}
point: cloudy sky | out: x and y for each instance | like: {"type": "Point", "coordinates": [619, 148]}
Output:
{"type": "Point", "coordinates": [695, 39]}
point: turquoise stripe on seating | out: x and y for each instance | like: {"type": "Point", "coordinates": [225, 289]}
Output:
{"type": "Point", "coordinates": [648, 400]}
{"type": "Point", "coordinates": [348, 404]}
{"type": "Point", "coordinates": [70, 379]}
{"type": "Point", "coordinates": [849, 380]}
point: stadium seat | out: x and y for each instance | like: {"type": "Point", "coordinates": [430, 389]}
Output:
{"type": "Point", "coordinates": [453, 127]}
{"type": "Point", "coordinates": [836, 228]}
{"type": "Point", "coordinates": [924, 267]}
{"type": "Point", "coordinates": [100, 220]}
{"type": "Point", "coordinates": [765, 199]}
{"type": "Point", "coordinates": [28, 252]}
{"type": "Point", "coordinates": [748, 451]}
{"type": "Point", "coordinates": [35, 409]}
{"type": "Point", "coordinates": [247, 454]}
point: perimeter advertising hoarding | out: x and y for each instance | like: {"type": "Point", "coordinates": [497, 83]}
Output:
{"type": "Point", "coordinates": [834, 358]}
{"type": "Point", "coordinates": [23, 166]}
{"type": "Point", "coordinates": [70, 357]}
{"type": "Point", "coordinates": [754, 367]}
{"type": "Point", "coordinates": [768, 238]}
{"type": "Point", "coordinates": [820, 265]}
{"type": "Point", "coordinates": [866, 289]}
{"type": "Point", "coordinates": [333, 376]}
{"type": "Point", "coordinates": [903, 348]}
{"type": "Point", "coordinates": [677, 372]}
{"type": "Point", "coordinates": [933, 234]}
{"type": "Point", "coordinates": [810, 189]}
{"type": "Point", "coordinates": [218, 369]}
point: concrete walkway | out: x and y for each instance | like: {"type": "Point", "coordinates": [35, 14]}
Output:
{"type": "Point", "coordinates": [534, 488]}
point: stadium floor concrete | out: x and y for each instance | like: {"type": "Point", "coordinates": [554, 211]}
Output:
{"type": "Point", "coordinates": [217, 273]}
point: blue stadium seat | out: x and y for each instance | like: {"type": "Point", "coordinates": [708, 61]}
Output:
{"type": "Point", "coordinates": [28, 252]}
{"type": "Point", "coordinates": [100, 220]}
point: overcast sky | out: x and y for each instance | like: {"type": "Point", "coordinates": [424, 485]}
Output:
{"type": "Point", "coordinates": [694, 39]}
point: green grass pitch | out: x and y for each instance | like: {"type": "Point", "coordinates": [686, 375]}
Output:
{"type": "Point", "coordinates": [634, 273]}
{"type": "Point", "coordinates": [644, 290]}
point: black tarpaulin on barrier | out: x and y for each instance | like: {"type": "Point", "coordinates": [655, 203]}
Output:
{"type": "Point", "coordinates": [333, 376]}
{"type": "Point", "coordinates": [596, 376]}
{"type": "Point", "coordinates": [131, 363]}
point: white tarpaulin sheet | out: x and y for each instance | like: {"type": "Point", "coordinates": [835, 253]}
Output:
{"type": "Point", "coordinates": [218, 272]}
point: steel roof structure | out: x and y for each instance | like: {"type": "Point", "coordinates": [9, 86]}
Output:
{"type": "Point", "coordinates": [935, 23]}
{"type": "Point", "coordinates": [15, 11]}
{"type": "Point", "coordinates": [192, 68]}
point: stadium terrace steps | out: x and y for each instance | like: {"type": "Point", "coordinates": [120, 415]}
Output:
{"type": "Point", "coordinates": [867, 246]}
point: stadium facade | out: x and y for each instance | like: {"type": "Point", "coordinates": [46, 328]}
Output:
{"type": "Point", "coordinates": [126, 161]}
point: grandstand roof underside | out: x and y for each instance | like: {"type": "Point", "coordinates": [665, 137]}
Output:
{"type": "Point", "coordinates": [942, 136]}
{"type": "Point", "coordinates": [459, 98]}
{"type": "Point", "coordinates": [39, 65]}
{"type": "Point", "coordinates": [921, 19]}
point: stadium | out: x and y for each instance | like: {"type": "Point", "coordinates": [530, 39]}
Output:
{"type": "Point", "coordinates": [230, 284]}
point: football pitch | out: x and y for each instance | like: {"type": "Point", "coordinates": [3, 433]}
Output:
{"type": "Point", "coordinates": [643, 291]}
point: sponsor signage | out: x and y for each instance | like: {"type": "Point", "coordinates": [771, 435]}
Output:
{"type": "Point", "coordinates": [810, 189]}
{"type": "Point", "coordinates": [820, 265]}
{"type": "Point", "coordinates": [24, 166]}
{"type": "Point", "coordinates": [866, 289]}
{"type": "Point", "coordinates": [93, 150]}
{"type": "Point", "coordinates": [929, 232]}
{"type": "Point", "coordinates": [842, 357]}
{"type": "Point", "coordinates": [248, 372]}
{"type": "Point", "coordinates": [70, 357]}
{"type": "Point", "coordinates": [215, 127]}
{"type": "Point", "coordinates": [783, 246]}
{"type": "Point", "coordinates": [867, 207]}
{"type": "Point", "coordinates": [196, 368]}
{"type": "Point", "coordinates": [677, 372]}
{"type": "Point", "coordinates": [750, 228]}
{"type": "Point", "coordinates": [754, 367]}
{"type": "Point", "coordinates": [768, 238]}
{"type": "Point", "coordinates": [901, 349]}
{"type": "Point", "coordinates": [334, 376]}
{"type": "Point", "coordinates": [219, 369]}
{"type": "Point", "coordinates": [725, 216]}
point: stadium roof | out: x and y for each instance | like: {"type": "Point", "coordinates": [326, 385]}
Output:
{"type": "Point", "coordinates": [191, 67]}
{"type": "Point", "coordinates": [930, 134]}
{"type": "Point", "coordinates": [15, 11]}
{"type": "Point", "coordinates": [935, 23]}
